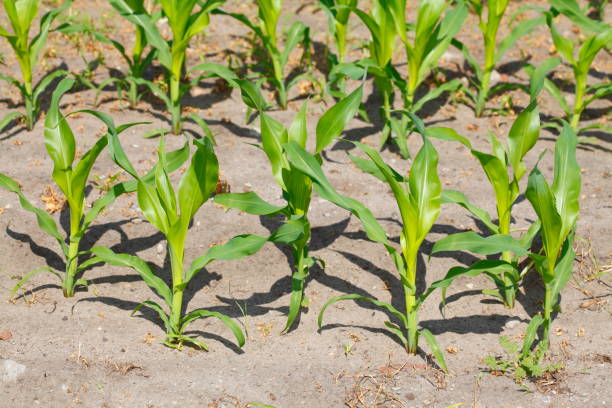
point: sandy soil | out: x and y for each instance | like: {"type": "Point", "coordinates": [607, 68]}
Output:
{"type": "Point", "coordinates": [88, 351]}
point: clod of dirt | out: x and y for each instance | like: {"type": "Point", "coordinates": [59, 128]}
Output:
{"type": "Point", "coordinates": [5, 335]}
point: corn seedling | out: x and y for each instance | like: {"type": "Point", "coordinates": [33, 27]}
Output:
{"type": "Point", "coordinates": [434, 30]}
{"type": "Point", "coordinates": [72, 179]}
{"type": "Point", "coordinates": [265, 29]}
{"type": "Point", "coordinates": [185, 18]}
{"type": "Point", "coordinates": [385, 22]}
{"type": "Point", "coordinates": [418, 198]}
{"type": "Point", "coordinates": [493, 53]}
{"type": "Point", "coordinates": [21, 14]}
{"type": "Point", "coordinates": [338, 13]}
{"type": "Point", "coordinates": [557, 207]}
{"type": "Point", "coordinates": [600, 39]}
{"type": "Point", "coordinates": [296, 187]}
{"type": "Point", "coordinates": [172, 214]}
{"type": "Point", "coordinates": [504, 168]}
{"type": "Point", "coordinates": [140, 57]}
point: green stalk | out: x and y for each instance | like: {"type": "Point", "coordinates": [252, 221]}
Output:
{"type": "Point", "coordinates": [175, 91]}
{"type": "Point", "coordinates": [73, 254]}
{"type": "Point", "coordinates": [413, 69]}
{"type": "Point", "coordinates": [548, 306]}
{"type": "Point", "coordinates": [176, 265]}
{"type": "Point", "coordinates": [411, 311]}
{"type": "Point", "coordinates": [28, 98]}
{"type": "Point", "coordinates": [341, 41]}
{"type": "Point", "coordinates": [490, 36]}
{"type": "Point", "coordinates": [133, 93]}
{"type": "Point", "coordinates": [580, 90]}
{"type": "Point", "coordinates": [281, 91]}
{"type": "Point", "coordinates": [508, 293]}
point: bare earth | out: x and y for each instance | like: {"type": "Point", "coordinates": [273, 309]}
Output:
{"type": "Point", "coordinates": [88, 351]}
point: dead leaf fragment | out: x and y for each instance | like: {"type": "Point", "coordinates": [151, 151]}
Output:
{"type": "Point", "coordinates": [53, 201]}
{"type": "Point", "coordinates": [149, 338]}
{"type": "Point", "coordinates": [452, 350]}
{"type": "Point", "coordinates": [581, 332]}
{"type": "Point", "coordinates": [5, 335]}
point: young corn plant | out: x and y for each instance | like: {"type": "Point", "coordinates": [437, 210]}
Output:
{"type": "Point", "coordinates": [171, 211]}
{"type": "Point", "coordinates": [493, 53]}
{"type": "Point", "coordinates": [140, 57]}
{"type": "Point", "coordinates": [266, 30]}
{"type": "Point", "coordinates": [21, 15]}
{"type": "Point", "coordinates": [418, 197]}
{"type": "Point", "coordinates": [186, 18]}
{"type": "Point", "coordinates": [434, 29]}
{"type": "Point", "coordinates": [557, 207]}
{"type": "Point", "coordinates": [338, 12]}
{"type": "Point", "coordinates": [296, 187]}
{"type": "Point", "coordinates": [579, 55]}
{"type": "Point", "coordinates": [504, 167]}
{"type": "Point", "coordinates": [71, 177]}
{"type": "Point", "coordinates": [385, 24]}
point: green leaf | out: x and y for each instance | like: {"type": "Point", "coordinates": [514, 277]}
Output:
{"type": "Point", "coordinates": [356, 297]}
{"type": "Point", "coordinates": [273, 137]}
{"type": "Point", "coordinates": [471, 241]}
{"type": "Point", "coordinates": [567, 180]}
{"type": "Point", "coordinates": [485, 266]}
{"type": "Point", "coordinates": [369, 167]}
{"type": "Point", "coordinates": [537, 76]}
{"type": "Point", "coordinates": [199, 181]}
{"type": "Point", "coordinates": [226, 320]}
{"type": "Point", "coordinates": [295, 303]}
{"type": "Point", "coordinates": [435, 349]}
{"type": "Point", "coordinates": [333, 122]}
{"type": "Point", "coordinates": [140, 266]}
{"type": "Point", "coordinates": [249, 202]}
{"type": "Point", "coordinates": [520, 30]}
{"type": "Point", "coordinates": [160, 311]}
{"type": "Point", "coordinates": [425, 192]}
{"type": "Point", "coordinates": [45, 222]}
{"type": "Point", "coordinates": [563, 270]}
{"type": "Point", "coordinates": [448, 134]}
{"type": "Point", "coordinates": [531, 333]}
{"type": "Point", "coordinates": [298, 131]}
{"type": "Point", "coordinates": [30, 274]}
{"type": "Point", "coordinates": [543, 202]}
{"type": "Point", "coordinates": [307, 164]}
{"type": "Point", "coordinates": [8, 119]}
{"type": "Point", "coordinates": [457, 197]}
{"type": "Point", "coordinates": [236, 248]}
{"type": "Point", "coordinates": [59, 140]}
{"type": "Point", "coordinates": [522, 137]}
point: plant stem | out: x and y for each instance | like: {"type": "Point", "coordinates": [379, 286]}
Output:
{"type": "Point", "coordinates": [509, 291]}
{"type": "Point", "coordinates": [413, 320]}
{"type": "Point", "coordinates": [580, 90]}
{"type": "Point", "coordinates": [176, 309]}
{"type": "Point", "coordinates": [133, 94]}
{"type": "Point", "coordinates": [411, 312]}
{"type": "Point", "coordinates": [175, 92]}
{"type": "Point", "coordinates": [72, 262]}
{"type": "Point", "coordinates": [281, 91]}
{"type": "Point", "coordinates": [547, 319]}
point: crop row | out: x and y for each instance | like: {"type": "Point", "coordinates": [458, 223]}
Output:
{"type": "Point", "coordinates": [298, 172]}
